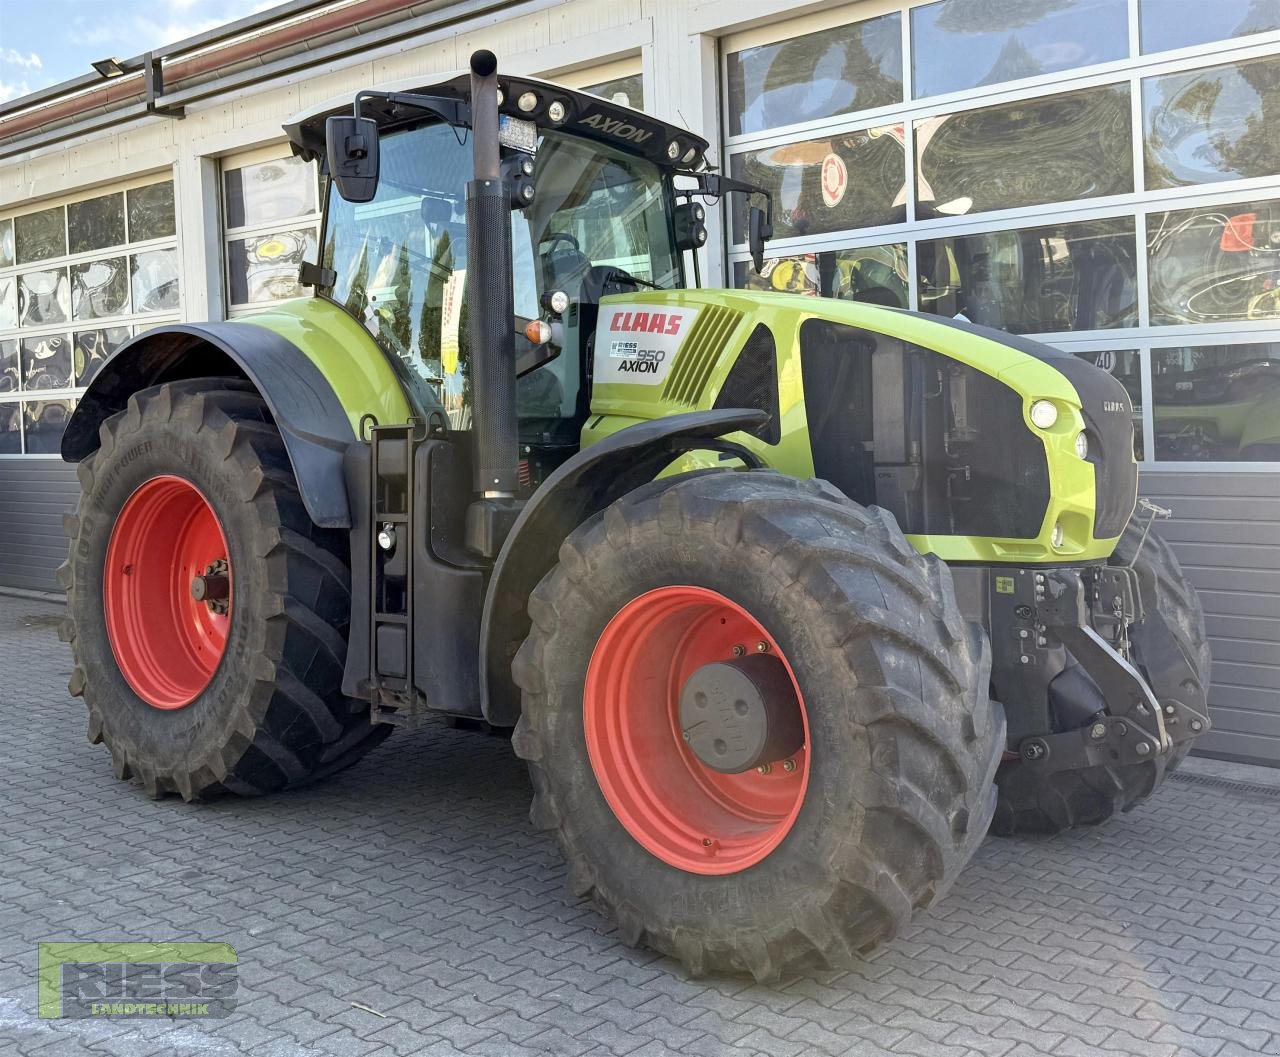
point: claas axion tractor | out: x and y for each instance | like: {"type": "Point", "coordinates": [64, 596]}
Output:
{"type": "Point", "coordinates": [788, 600]}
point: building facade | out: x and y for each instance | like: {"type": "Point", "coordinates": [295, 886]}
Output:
{"type": "Point", "coordinates": [1099, 174]}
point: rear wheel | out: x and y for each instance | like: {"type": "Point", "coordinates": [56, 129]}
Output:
{"type": "Point", "coordinates": [1033, 802]}
{"type": "Point", "coordinates": [756, 721]}
{"type": "Point", "coordinates": [207, 614]}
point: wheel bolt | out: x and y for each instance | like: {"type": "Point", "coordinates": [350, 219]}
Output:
{"type": "Point", "coordinates": [765, 768]}
{"type": "Point", "coordinates": [738, 651]}
{"type": "Point", "coordinates": [788, 765]}
{"type": "Point", "coordinates": [762, 647]}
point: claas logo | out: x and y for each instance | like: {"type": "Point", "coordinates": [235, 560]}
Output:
{"type": "Point", "coordinates": [646, 322]}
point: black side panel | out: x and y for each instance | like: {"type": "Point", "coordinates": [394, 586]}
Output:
{"type": "Point", "coordinates": [753, 382]}
{"type": "Point", "coordinates": [581, 487]}
{"type": "Point", "coordinates": [311, 420]}
{"type": "Point", "coordinates": [835, 370]}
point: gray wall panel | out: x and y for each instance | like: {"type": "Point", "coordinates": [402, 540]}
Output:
{"type": "Point", "coordinates": [34, 494]}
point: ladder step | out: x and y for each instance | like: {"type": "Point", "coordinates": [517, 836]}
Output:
{"type": "Point", "coordinates": [391, 618]}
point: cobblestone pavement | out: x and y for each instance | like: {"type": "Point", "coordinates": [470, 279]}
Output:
{"type": "Point", "coordinates": [414, 885]}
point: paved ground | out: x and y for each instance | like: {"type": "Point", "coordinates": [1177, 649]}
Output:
{"type": "Point", "coordinates": [414, 885]}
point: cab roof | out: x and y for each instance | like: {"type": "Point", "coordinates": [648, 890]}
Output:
{"type": "Point", "coordinates": [588, 116]}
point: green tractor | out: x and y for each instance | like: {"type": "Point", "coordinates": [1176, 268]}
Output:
{"type": "Point", "coordinates": [787, 600]}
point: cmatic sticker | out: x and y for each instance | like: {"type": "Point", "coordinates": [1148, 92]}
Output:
{"type": "Point", "coordinates": [637, 343]}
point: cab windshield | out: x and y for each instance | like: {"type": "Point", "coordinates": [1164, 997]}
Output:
{"type": "Point", "coordinates": [400, 260]}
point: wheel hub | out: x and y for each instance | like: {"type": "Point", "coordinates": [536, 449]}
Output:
{"type": "Point", "coordinates": [737, 715]}
{"type": "Point", "coordinates": [213, 587]}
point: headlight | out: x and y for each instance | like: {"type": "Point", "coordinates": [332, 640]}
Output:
{"type": "Point", "coordinates": [1082, 444]}
{"type": "Point", "coordinates": [556, 111]}
{"type": "Point", "coordinates": [673, 150]}
{"type": "Point", "coordinates": [527, 102]}
{"type": "Point", "coordinates": [1044, 413]}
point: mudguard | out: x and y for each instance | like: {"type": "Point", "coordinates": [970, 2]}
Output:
{"type": "Point", "coordinates": [313, 424]}
{"type": "Point", "coordinates": [578, 489]}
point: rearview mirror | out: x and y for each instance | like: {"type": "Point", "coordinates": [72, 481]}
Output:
{"type": "Point", "coordinates": [351, 145]}
{"type": "Point", "coordinates": [759, 231]}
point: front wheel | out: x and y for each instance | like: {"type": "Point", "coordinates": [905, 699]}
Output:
{"type": "Point", "coordinates": [756, 721]}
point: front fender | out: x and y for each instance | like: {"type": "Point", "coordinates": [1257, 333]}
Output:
{"type": "Point", "coordinates": [315, 427]}
{"type": "Point", "coordinates": [578, 489]}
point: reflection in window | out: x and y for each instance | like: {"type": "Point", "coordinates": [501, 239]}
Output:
{"type": "Point", "coordinates": [46, 362]}
{"type": "Point", "coordinates": [1125, 365]}
{"type": "Point", "coordinates": [39, 236]}
{"type": "Point", "coordinates": [99, 288]}
{"type": "Point", "coordinates": [1214, 124]}
{"type": "Point", "coordinates": [154, 277]}
{"type": "Point", "coordinates": [1214, 263]}
{"type": "Point", "coordinates": [44, 422]}
{"type": "Point", "coordinates": [265, 267]}
{"type": "Point", "coordinates": [850, 180]}
{"type": "Point", "coordinates": [151, 214]}
{"type": "Point", "coordinates": [959, 44]}
{"type": "Point", "coordinates": [1166, 24]}
{"type": "Point", "coordinates": [1217, 402]}
{"type": "Point", "coordinates": [1060, 148]}
{"type": "Point", "coordinates": [872, 274]}
{"type": "Point", "coordinates": [625, 91]}
{"type": "Point", "coordinates": [44, 297]}
{"type": "Point", "coordinates": [96, 223]}
{"type": "Point", "coordinates": [269, 191]}
{"type": "Point", "coordinates": [6, 243]}
{"type": "Point", "coordinates": [91, 349]}
{"type": "Point", "coordinates": [11, 429]}
{"type": "Point", "coordinates": [1061, 277]}
{"type": "Point", "coordinates": [10, 379]}
{"type": "Point", "coordinates": [823, 74]}
{"type": "Point", "coordinates": [8, 302]}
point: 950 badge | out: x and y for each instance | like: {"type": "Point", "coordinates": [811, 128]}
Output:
{"type": "Point", "coordinates": [636, 344]}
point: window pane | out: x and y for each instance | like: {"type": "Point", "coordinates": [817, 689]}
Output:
{"type": "Point", "coordinates": [99, 288]}
{"type": "Point", "coordinates": [8, 302]}
{"type": "Point", "coordinates": [1126, 366]}
{"type": "Point", "coordinates": [92, 347]}
{"type": "Point", "coordinates": [9, 369]}
{"type": "Point", "coordinates": [1214, 263]}
{"type": "Point", "coordinates": [151, 212]}
{"type": "Point", "coordinates": [1058, 149]}
{"type": "Point", "coordinates": [834, 71]}
{"type": "Point", "coordinates": [1217, 402]}
{"type": "Point", "coordinates": [1214, 124]}
{"type": "Point", "coordinates": [873, 274]}
{"type": "Point", "coordinates": [852, 180]}
{"type": "Point", "coordinates": [11, 429]}
{"type": "Point", "coordinates": [1060, 277]}
{"type": "Point", "coordinates": [46, 362]}
{"type": "Point", "coordinates": [627, 91]}
{"type": "Point", "coordinates": [6, 243]}
{"type": "Point", "coordinates": [959, 44]}
{"type": "Point", "coordinates": [96, 223]}
{"type": "Point", "coordinates": [45, 421]}
{"type": "Point", "coordinates": [44, 297]}
{"type": "Point", "coordinates": [155, 280]}
{"type": "Point", "coordinates": [265, 267]}
{"type": "Point", "coordinates": [1168, 24]}
{"type": "Point", "coordinates": [269, 191]}
{"type": "Point", "coordinates": [39, 236]}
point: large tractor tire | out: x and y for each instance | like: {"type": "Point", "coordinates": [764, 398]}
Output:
{"type": "Point", "coordinates": [1032, 802]}
{"type": "Point", "coordinates": [207, 614]}
{"type": "Point", "coordinates": [873, 786]}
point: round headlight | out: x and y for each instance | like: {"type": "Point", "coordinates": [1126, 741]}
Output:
{"type": "Point", "coordinates": [527, 102]}
{"type": "Point", "coordinates": [556, 111]}
{"type": "Point", "coordinates": [689, 155]}
{"type": "Point", "coordinates": [559, 302]}
{"type": "Point", "coordinates": [1044, 413]}
{"type": "Point", "coordinates": [501, 97]}
{"type": "Point", "coordinates": [1058, 537]}
{"type": "Point", "coordinates": [699, 214]}
{"type": "Point", "coordinates": [673, 150]}
{"type": "Point", "coordinates": [1082, 444]}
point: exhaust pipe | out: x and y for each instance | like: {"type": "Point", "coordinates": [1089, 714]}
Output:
{"type": "Point", "coordinates": [491, 306]}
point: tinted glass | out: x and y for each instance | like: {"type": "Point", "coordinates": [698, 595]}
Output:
{"type": "Point", "coordinates": [11, 429]}
{"type": "Point", "coordinates": [10, 377]}
{"type": "Point", "coordinates": [1060, 277]}
{"type": "Point", "coordinates": [627, 91]}
{"type": "Point", "coordinates": [1168, 24]}
{"type": "Point", "coordinates": [1214, 124]}
{"type": "Point", "coordinates": [92, 347]}
{"type": "Point", "coordinates": [99, 288]}
{"type": "Point", "coordinates": [850, 180]}
{"type": "Point", "coordinates": [959, 44]}
{"type": "Point", "coordinates": [154, 276]}
{"type": "Point", "coordinates": [1126, 366]}
{"type": "Point", "coordinates": [265, 267]}
{"type": "Point", "coordinates": [833, 71]}
{"type": "Point", "coordinates": [46, 362]}
{"type": "Point", "coordinates": [6, 243]}
{"type": "Point", "coordinates": [269, 191]}
{"type": "Point", "coordinates": [1057, 149]}
{"type": "Point", "coordinates": [96, 223]}
{"type": "Point", "coordinates": [1217, 402]}
{"type": "Point", "coordinates": [151, 212]}
{"type": "Point", "coordinates": [873, 274]}
{"type": "Point", "coordinates": [8, 302]}
{"type": "Point", "coordinates": [44, 297]}
{"type": "Point", "coordinates": [1214, 263]}
{"type": "Point", "coordinates": [39, 236]}
{"type": "Point", "coordinates": [44, 423]}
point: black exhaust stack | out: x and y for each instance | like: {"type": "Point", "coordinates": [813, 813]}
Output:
{"type": "Point", "coordinates": [491, 308]}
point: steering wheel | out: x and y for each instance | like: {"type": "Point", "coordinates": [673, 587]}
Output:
{"type": "Point", "coordinates": [561, 236]}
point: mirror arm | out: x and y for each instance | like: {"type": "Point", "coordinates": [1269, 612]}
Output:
{"type": "Point", "coordinates": [456, 112]}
